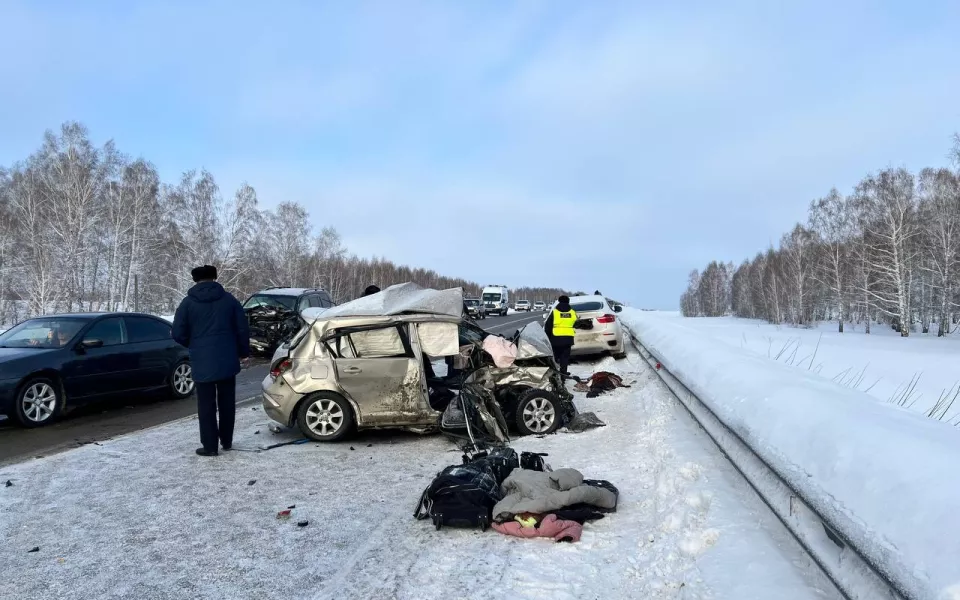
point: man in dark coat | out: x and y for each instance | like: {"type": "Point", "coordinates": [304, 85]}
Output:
{"type": "Point", "coordinates": [212, 324]}
{"type": "Point", "coordinates": [371, 290]}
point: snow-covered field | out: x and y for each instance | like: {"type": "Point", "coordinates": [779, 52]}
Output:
{"type": "Point", "coordinates": [914, 372]}
{"type": "Point", "coordinates": [879, 474]}
{"type": "Point", "coordinates": [142, 516]}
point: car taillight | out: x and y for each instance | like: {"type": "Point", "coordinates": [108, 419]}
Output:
{"type": "Point", "coordinates": [606, 319]}
{"type": "Point", "coordinates": [282, 367]}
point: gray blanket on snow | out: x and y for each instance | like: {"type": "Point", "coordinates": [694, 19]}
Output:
{"type": "Point", "coordinates": [539, 492]}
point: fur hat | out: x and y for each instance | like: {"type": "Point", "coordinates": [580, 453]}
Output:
{"type": "Point", "coordinates": [371, 290]}
{"type": "Point", "coordinates": [204, 273]}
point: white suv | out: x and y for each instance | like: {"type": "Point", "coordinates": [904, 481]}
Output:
{"type": "Point", "coordinates": [522, 306]}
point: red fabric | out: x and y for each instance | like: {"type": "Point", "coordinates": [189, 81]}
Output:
{"type": "Point", "coordinates": [550, 527]}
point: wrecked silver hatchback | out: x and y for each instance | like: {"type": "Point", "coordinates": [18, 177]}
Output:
{"type": "Point", "coordinates": [373, 363]}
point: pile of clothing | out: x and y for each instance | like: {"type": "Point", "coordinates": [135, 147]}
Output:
{"type": "Point", "coordinates": [553, 504]}
{"type": "Point", "coordinates": [516, 495]}
{"type": "Point", "coordinates": [599, 383]}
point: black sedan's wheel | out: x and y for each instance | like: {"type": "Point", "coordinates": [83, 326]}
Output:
{"type": "Point", "coordinates": [325, 417]}
{"type": "Point", "coordinates": [39, 402]}
{"type": "Point", "coordinates": [181, 380]}
{"type": "Point", "coordinates": [537, 413]}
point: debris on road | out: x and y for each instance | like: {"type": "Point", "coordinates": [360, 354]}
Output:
{"type": "Point", "coordinates": [283, 515]}
{"type": "Point", "coordinates": [8, 484]}
{"type": "Point", "coordinates": [291, 507]}
{"type": "Point", "coordinates": [251, 482]}
{"type": "Point", "coordinates": [599, 383]}
{"type": "Point", "coordinates": [34, 549]}
{"type": "Point", "coordinates": [584, 421]}
{"type": "Point", "coordinates": [303, 523]}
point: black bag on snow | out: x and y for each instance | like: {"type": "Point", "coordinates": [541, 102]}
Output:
{"type": "Point", "coordinates": [461, 496]}
{"type": "Point", "coordinates": [464, 495]}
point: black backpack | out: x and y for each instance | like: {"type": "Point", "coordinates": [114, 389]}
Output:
{"type": "Point", "coordinates": [464, 495]}
{"type": "Point", "coordinates": [461, 496]}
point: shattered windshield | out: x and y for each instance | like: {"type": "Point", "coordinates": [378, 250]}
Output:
{"type": "Point", "coordinates": [491, 297]}
{"type": "Point", "coordinates": [472, 302]}
{"type": "Point", "coordinates": [275, 302]}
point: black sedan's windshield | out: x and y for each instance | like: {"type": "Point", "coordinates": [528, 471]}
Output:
{"type": "Point", "coordinates": [275, 302]}
{"type": "Point", "coordinates": [472, 302]}
{"type": "Point", "coordinates": [42, 333]}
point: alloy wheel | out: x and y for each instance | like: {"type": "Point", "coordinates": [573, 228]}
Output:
{"type": "Point", "coordinates": [183, 379]}
{"type": "Point", "coordinates": [39, 402]}
{"type": "Point", "coordinates": [325, 417]}
{"type": "Point", "coordinates": [539, 415]}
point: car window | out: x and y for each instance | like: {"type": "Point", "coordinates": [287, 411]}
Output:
{"type": "Point", "coordinates": [315, 301]}
{"type": "Point", "coordinates": [325, 300]}
{"type": "Point", "coordinates": [42, 332]}
{"type": "Point", "coordinates": [270, 301]}
{"type": "Point", "coordinates": [303, 303]}
{"type": "Point", "coordinates": [109, 331]}
{"type": "Point", "coordinates": [142, 329]}
{"type": "Point", "coordinates": [383, 342]}
{"type": "Point", "coordinates": [587, 306]}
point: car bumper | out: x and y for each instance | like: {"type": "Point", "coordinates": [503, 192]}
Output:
{"type": "Point", "coordinates": [597, 343]}
{"type": "Point", "coordinates": [8, 392]}
{"type": "Point", "coordinates": [279, 400]}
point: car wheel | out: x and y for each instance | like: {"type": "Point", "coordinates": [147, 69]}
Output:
{"type": "Point", "coordinates": [537, 413]}
{"type": "Point", "coordinates": [39, 402]}
{"type": "Point", "coordinates": [181, 380]}
{"type": "Point", "coordinates": [325, 417]}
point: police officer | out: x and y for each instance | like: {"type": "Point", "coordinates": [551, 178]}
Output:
{"type": "Point", "coordinates": [559, 328]}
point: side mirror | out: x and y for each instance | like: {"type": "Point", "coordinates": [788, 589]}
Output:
{"type": "Point", "coordinates": [618, 308]}
{"type": "Point", "coordinates": [91, 343]}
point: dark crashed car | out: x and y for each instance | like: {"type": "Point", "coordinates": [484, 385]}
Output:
{"type": "Point", "coordinates": [274, 315]}
{"type": "Point", "coordinates": [52, 363]}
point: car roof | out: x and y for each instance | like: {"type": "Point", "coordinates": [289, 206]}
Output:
{"type": "Point", "coordinates": [287, 291]}
{"type": "Point", "coordinates": [94, 315]}
{"type": "Point", "coordinates": [591, 298]}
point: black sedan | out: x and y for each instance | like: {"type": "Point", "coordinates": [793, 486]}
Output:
{"type": "Point", "coordinates": [54, 362]}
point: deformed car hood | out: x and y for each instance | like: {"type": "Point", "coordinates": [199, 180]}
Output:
{"type": "Point", "coordinates": [397, 299]}
{"type": "Point", "coordinates": [533, 342]}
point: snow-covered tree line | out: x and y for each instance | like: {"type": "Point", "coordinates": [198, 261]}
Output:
{"type": "Point", "coordinates": [88, 228]}
{"type": "Point", "coordinates": [888, 252]}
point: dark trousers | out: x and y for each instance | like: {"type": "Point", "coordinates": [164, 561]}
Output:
{"type": "Point", "coordinates": [561, 352]}
{"type": "Point", "coordinates": [211, 396]}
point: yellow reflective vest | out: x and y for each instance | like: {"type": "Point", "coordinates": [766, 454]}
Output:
{"type": "Point", "coordinates": [563, 323]}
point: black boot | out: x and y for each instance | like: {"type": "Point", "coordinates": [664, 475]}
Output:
{"type": "Point", "coordinates": [205, 452]}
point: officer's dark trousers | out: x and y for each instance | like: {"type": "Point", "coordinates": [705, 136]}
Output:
{"type": "Point", "coordinates": [212, 396]}
{"type": "Point", "coordinates": [561, 352]}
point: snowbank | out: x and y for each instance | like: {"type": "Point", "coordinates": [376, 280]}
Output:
{"type": "Point", "coordinates": [884, 477]}
{"type": "Point", "coordinates": [916, 372]}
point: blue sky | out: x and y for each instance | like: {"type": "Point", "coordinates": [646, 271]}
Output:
{"type": "Point", "coordinates": [610, 145]}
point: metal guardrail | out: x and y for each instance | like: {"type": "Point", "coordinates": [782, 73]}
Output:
{"type": "Point", "coordinates": [855, 577]}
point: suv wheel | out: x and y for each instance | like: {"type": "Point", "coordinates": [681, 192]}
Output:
{"type": "Point", "coordinates": [39, 402]}
{"type": "Point", "coordinates": [537, 413]}
{"type": "Point", "coordinates": [325, 417]}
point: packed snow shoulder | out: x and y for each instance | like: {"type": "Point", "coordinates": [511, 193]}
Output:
{"type": "Point", "coordinates": [882, 476]}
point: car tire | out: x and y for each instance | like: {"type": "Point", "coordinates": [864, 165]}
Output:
{"type": "Point", "coordinates": [538, 413]}
{"type": "Point", "coordinates": [39, 402]}
{"type": "Point", "coordinates": [181, 382]}
{"type": "Point", "coordinates": [325, 417]}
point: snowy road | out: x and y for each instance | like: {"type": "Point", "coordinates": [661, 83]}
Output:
{"type": "Point", "coordinates": [172, 525]}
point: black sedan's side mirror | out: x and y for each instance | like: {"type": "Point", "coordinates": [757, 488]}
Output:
{"type": "Point", "coordinates": [618, 308]}
{"type": "Point", "coordinates": [91, 343]}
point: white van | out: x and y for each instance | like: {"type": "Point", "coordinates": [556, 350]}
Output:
{"type": "Point", "coordinates": [496, 299]}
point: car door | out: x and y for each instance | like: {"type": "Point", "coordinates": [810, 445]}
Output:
{"type": "Point", "coordinates": [376, 367]}
{"type": "Point", "coordinates": [152, 350]}
{"type": "Point", "coordinates": [102, 370]}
